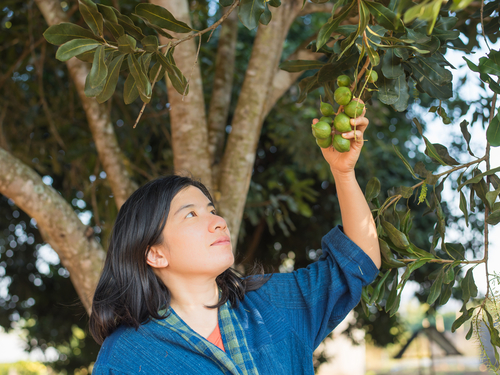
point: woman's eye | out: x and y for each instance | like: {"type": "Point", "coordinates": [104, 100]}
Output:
{"type": "Point", "coordinates": [214, 212]}
{"type": "Point", "coordinates": [191, 214]}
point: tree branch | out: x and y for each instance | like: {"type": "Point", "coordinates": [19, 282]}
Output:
{"type": "Point", "coordinates": [316, 8]}
{"type": "Point", "coordinates": [223, 83]}
{"type": "Point", "coordinates": [187, 115]}
{"type": "Point", "coordinates": [78, 250]}
{"type": "Point", "coordinates": [98, 116]}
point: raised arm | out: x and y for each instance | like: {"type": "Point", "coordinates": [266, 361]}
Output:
{"type": "Point", "coordinates": [357, 219]}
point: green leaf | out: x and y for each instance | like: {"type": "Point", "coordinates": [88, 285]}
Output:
{"type": "Point", "coordinates": [392, 300]}
{"type": "Point", "coordinates": [435, 72]}
{"type": "Point", "coordinates": [108, 13]}
{"type": "Point", "coordinates": [91, 16]}
{"type": "Point", "coordinates": [471, 65]}
{"type": "Point", "coordinates": [152, 73]}
{"type": "Point", "coordinates": [250, 11]}
{"type": "Point", "coordinates": [466, 315]}
{"type": "Point", "coordinates": [328, 28]}
{"type": "Point", "coordinates": [469, 288]}
{"type": "Point", "coordinates": [64, 32]}
{"type": "Point", "coordinates": [391, 65]}
{"type": "Point", "coordinates": [74, 48]}
{"type": "Point", "coordinates": [494, 336]}
{"type": "Point", "coordinates": [150, 43]}
{"type": "Point", "coordinates": [266, 17]}
{"type": "Point", "coordinates": [130, 91]}
{"type": "Point", "coordinates": [478, 177]}
{"type": "Point", "coordinates": [225, 3]}
{"type": "Point", "coordinates": [126, 44]}
{"type": "Point", "coordinates": [397, 238]}
{"type": "Point", "coordinates": [274, 3]}
{"type": "Point", "coordinates": [116, 30]}
{"type": "Point", "coordinates": [129, 26]}
{"type": "Point", "coordinates": [491, 196]}
{"type": "Point", "coordinates": [372, 55]}
{"type": "Point", "coordinates": [158, 29]}
{"type": "Point", "coordinates": [436, 288]}
{"type": "Point", "coordinates": [378, 288]}
{"type": "Point", "coordinates": [493, 132]}
{"type": "Point", "coordinates": [372, 189]}
{"type": "Point", "coordinates": [387, 256]}
{"type": "Point", "coordinates": [405, 162]}
{"type": "Point", "coordinates": [466, 134]}
{"type": "Point", "coordinates": [384, 16]}
{"type": "Point", "coordinates": [401, 87]}
{"type": "Point", "coordinates": [178, 80]}
{"type": "Point", "coordinates": [494, 218]}
{"type": "Point", "coordinates": [142, 82]}
{"type": "Point", "coordinates": [364, 18]}
{"type": "Point", "coordinates": [429, 86]}
{"type": "Point", "coordinates": [487, 66]}
{"type": "Point", "coordinates": [463, 208]}
{"type": "Point", "coordinates": [112, 79]}
{"type": "Point", "coordinates": [449, 275]}
{"type": "Point", "coordinates": [442, 151]}
{"type": "Point", "coordinates": [387, 92]}
{"type": "Point", "coordinates": [445, 294]}
{"type": "Point", "coordinates": [99, 70]}
{"type": "Point", "coordinates": [293, 66]}
{"type": "Point", "coordinates": [161, 17]}
{"type": "Point", "coordinates": [470, 332]}
{"type": "Point", "coordinates": [306, 85]}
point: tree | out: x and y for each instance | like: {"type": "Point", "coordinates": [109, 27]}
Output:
{"type": "Point", "coordinates": [381, 37]}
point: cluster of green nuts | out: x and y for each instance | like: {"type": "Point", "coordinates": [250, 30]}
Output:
{"type": "Point", "coordinates": [322, 130]}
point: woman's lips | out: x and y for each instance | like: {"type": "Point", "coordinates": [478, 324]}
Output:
{"type": "Point", "coordinates": [222, 241]}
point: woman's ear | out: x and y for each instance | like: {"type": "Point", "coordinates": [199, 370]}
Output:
{"type": "Point", "coordinates": [156, 257]}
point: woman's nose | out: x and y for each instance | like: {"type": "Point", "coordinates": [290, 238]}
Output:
{"type": "Point", "coordinates": [217, 223]}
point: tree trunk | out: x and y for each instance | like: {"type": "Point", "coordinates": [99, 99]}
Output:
{"type": "Point", "coordinates": [187, 114]}
{"type": "Point", "coordinates": [74, 242]}
{"type": "Point", "coordinates": [239, 156]}
{"type": "Point", "coordinates": [98, 116]}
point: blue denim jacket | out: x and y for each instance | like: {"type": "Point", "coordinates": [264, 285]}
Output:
{"type": "Point", "coordinates": [284, 321]}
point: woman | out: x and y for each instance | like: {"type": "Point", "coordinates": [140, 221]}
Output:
{"type": "Point", "coordinates": [168, 303]}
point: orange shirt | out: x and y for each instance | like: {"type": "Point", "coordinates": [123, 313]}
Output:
{"type": "Point", "coordinates": [215, 337]}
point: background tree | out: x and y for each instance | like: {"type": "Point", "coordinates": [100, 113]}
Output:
{"type": "Point", "coordinates": [100, 168]}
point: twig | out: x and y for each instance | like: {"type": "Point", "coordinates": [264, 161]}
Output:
{"type": "Point", "coordinates": [152, 87]}
{"type": "Point", "coordinates": [399, 196]}
{"type": "Point", "coordinates": [214, 26]}
{"type": "Point", "coordinates": [482, 26]}
{"type": "Point", "coordinates": [360, 74]}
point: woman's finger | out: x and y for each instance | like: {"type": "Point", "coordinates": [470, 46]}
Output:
{"type": "Point", "coordinates": [350, 135]}
{"type": "Point", "coordinates": [360, 122]}
{"type": "Point", "coordinates": [315, 120]}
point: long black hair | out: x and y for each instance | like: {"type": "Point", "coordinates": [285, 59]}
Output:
{"type": "Point", "coordinates": [129, 292]}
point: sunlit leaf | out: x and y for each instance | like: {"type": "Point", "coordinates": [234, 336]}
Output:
{"type": "Point", "coordinates": [250, 12]}
{"type": "Point", "coordinates": [162, 18]}
{"type": "Point", "coordinates": [493, 132]}
{"type": "Point", "coordinates": [75, 47]}
{"type": "Point", "coordinates": [111, 80]}
{"type": "Point", "coordinates": [64, 32]}
{"type": "Point", "coordinates": [91, 16]}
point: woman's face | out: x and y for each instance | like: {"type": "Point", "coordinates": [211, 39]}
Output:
{"type": "Point", "coordinates": [196, 239]}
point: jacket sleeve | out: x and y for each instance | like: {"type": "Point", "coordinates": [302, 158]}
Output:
{"type": "Point", "coordinates": [317, 298]}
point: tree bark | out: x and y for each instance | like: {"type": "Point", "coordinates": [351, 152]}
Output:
{"type": "Point", "coordinates": [187, 114]}
{"type": "Point", "coordinates": [74, 242]}
{"type": "Point", "coordinates": [98, 116]}
{"type": "Point", "coordinates": [239, 156]}
{"type": "Point", "coordinates": [223, 83]}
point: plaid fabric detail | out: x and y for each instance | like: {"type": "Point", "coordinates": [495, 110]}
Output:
{"type": "Point", "coordinates": [238, 361]}
{"type": "Point", "coordinates": [236, 341]}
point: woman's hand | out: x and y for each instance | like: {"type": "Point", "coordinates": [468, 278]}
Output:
{"type": "Point", "coordinates": [344, 162]}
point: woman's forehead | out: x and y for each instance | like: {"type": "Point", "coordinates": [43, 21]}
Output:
{"type": "Point", "coordinates": [190, 195]}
